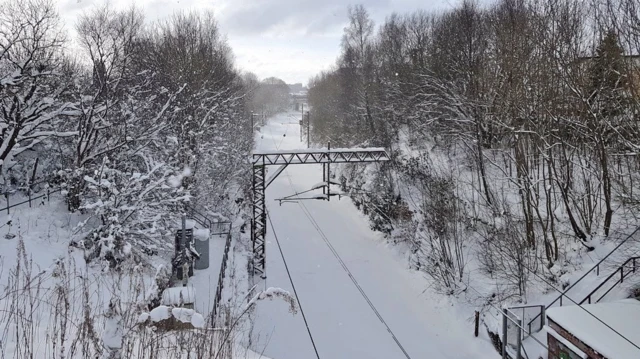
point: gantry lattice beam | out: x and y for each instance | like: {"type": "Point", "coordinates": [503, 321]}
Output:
{"type": "Point", "coordinates": [284, 158]}
{"type": "Point", "coordinates": [320, 156]}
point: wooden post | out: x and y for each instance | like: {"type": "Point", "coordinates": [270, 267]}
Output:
{"type": "Point", "coordinates": [477, 326]}
{"type": "Point", "coordinates": [519, 340]}
{"type": "Point", "coordinates": [35, 169]}
{"type": "Point", "coordinates": [504, 333]}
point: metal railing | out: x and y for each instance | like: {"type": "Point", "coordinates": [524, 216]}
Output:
{"type": "Point", "coordinates": [218, 229]}
{"type": "Point", "coordinates": [531, 326]}
{"type": "Point", "coordinates": [509, 318]}
{"type": "Point", "coordinates": [221, 276]}
{"type": "Point", "coordinates": [619, 280]}
{"type": "Point", "coordinates": [199, 217]}
{"type": "Point", "coordinates": [595, 268]}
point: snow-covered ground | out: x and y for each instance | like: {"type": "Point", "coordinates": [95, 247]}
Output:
{"type": "Point", "coordinates": [205, 281]}
{"type": "Point", "coordinates": [341, 321]}
{"type": "Point", "coordinates": [53, 278]}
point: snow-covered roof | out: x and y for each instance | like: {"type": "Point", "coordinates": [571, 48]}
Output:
{"type": "Point", "coordinates": [623, 316]}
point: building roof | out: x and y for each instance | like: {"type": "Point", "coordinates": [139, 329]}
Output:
{"type": "Point", "coordinates": [623, 316]}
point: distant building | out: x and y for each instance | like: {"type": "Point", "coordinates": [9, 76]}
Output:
{"type": "Point", "coordinates": [296, 88]}
{"type": "Point", "coordinates": [575, 332]}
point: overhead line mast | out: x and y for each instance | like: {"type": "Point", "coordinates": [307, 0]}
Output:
{"type": "Point", "coordinates": [293, 157]}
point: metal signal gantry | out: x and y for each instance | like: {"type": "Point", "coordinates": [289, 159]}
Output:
{"type": "Point", "coordinates": [285, 158]}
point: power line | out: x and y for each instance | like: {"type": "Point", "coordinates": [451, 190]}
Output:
{"type": "Point", "coordinates": [342, 263]}
{"type": "Point", "coordinates": [304, 317]}
{"type": "Point", "coordinates": [511, 320]}
{"type": "Point", "coordinates": [583, 308]}
{"type": "Point", "coordinates": [315, 224]}
{"type": "Point", "coordinates": [353, 279]}
{"type": "Point", "coordinates": [573, 301]}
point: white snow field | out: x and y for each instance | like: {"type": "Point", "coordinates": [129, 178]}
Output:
{"type": "Point", "coordinates": [341, 321]}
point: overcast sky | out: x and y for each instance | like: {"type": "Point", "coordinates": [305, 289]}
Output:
{"type": "Point", "coordinates": [289, 39]}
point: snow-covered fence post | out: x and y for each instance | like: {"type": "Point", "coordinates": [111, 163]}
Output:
{"type": "Point", "coordinates": [477, 324]}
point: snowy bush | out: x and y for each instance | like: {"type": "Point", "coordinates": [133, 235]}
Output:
{"type": "Point", "coordinates": [505, 256]}
{"type": "Point", "coordinates": [133, 210]}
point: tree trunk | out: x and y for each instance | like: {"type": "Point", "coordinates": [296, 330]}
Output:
{"type": "Point", "coordinates": [606, 185]}
{"type": "Point", "coordinates": [481, 170]}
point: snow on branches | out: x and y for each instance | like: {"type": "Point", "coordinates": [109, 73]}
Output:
{"type": "Point", "coordinates": [132, 207]}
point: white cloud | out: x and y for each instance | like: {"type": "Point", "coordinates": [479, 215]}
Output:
{"type": "Point", "coordinates": [289, 39]}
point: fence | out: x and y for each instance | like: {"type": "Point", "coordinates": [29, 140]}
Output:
{"type": "Point", "coordinates": [219, 229]}
{"type": "Point", "coordinates": [30, 192]}
{"type": "Point", "coordinates": [619, 275]}
{"type": "Point", "coordinates": [199, 217]}
{"type": "Point", "coordinates": [221, 277]}
{"type": "Point", "coordinates": [596, 268]}
{"type": "Point", "coordinates": [514, 333]}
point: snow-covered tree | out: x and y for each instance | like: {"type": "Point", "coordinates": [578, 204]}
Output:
{"type": "Point", "coordinates": [32, 106]}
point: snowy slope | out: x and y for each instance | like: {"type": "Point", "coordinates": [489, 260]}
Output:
{"type": "Point", "coordinates": [342, 323]}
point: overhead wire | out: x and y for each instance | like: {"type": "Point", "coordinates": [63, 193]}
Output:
{"type": "Point", "coordinates": [351, 276]}
{"type": "Point", "coordinates": [581, 307]}
{"type": "Point", "coordinates": [308, 214]}
{"type": "Point", "coordinates": [342, 263]}
{"type": "Point", "coordinates": [286, 266]}
{"type": "Point", "coordinates": [295, 292]}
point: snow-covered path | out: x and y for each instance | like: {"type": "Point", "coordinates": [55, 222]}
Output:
{"type": "Point", "coordinates": [342, 323]}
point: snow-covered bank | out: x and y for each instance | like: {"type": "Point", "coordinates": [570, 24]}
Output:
{"type": "Point", "coordinates": [53, 304]}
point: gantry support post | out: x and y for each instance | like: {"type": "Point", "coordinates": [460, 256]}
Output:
{"type": "Point", "coordinates": [259, 220]}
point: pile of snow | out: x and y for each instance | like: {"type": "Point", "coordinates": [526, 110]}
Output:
{"type": "Point", "coordinates": [189, 224]}
{"type": "Point", "coordinates": [188, 316]}
{"type": "Point", "coordinates": [158, 314]}
{"type": "Point", "coordinates": [273, 293]}
{"type": "Point", "coordinates": [201, 234]}
{"type": "Point", "coordinates": [178, 296]}
{"type": "Point", "coordinates": [183, 315]}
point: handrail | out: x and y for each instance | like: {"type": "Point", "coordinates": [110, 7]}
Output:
{"type": "Point", "coordinates": [199, 217]}
{"type": "Point", "coordinates": [518, 323]}
{"type": "Point", "coordinates": [223, 268]}
{"type": "Point", "coordinates": [622, 277]}
{"type": "Point", "coordinates": [541, 314]}
{"type": "Point", "coordinates": [596, 267]}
